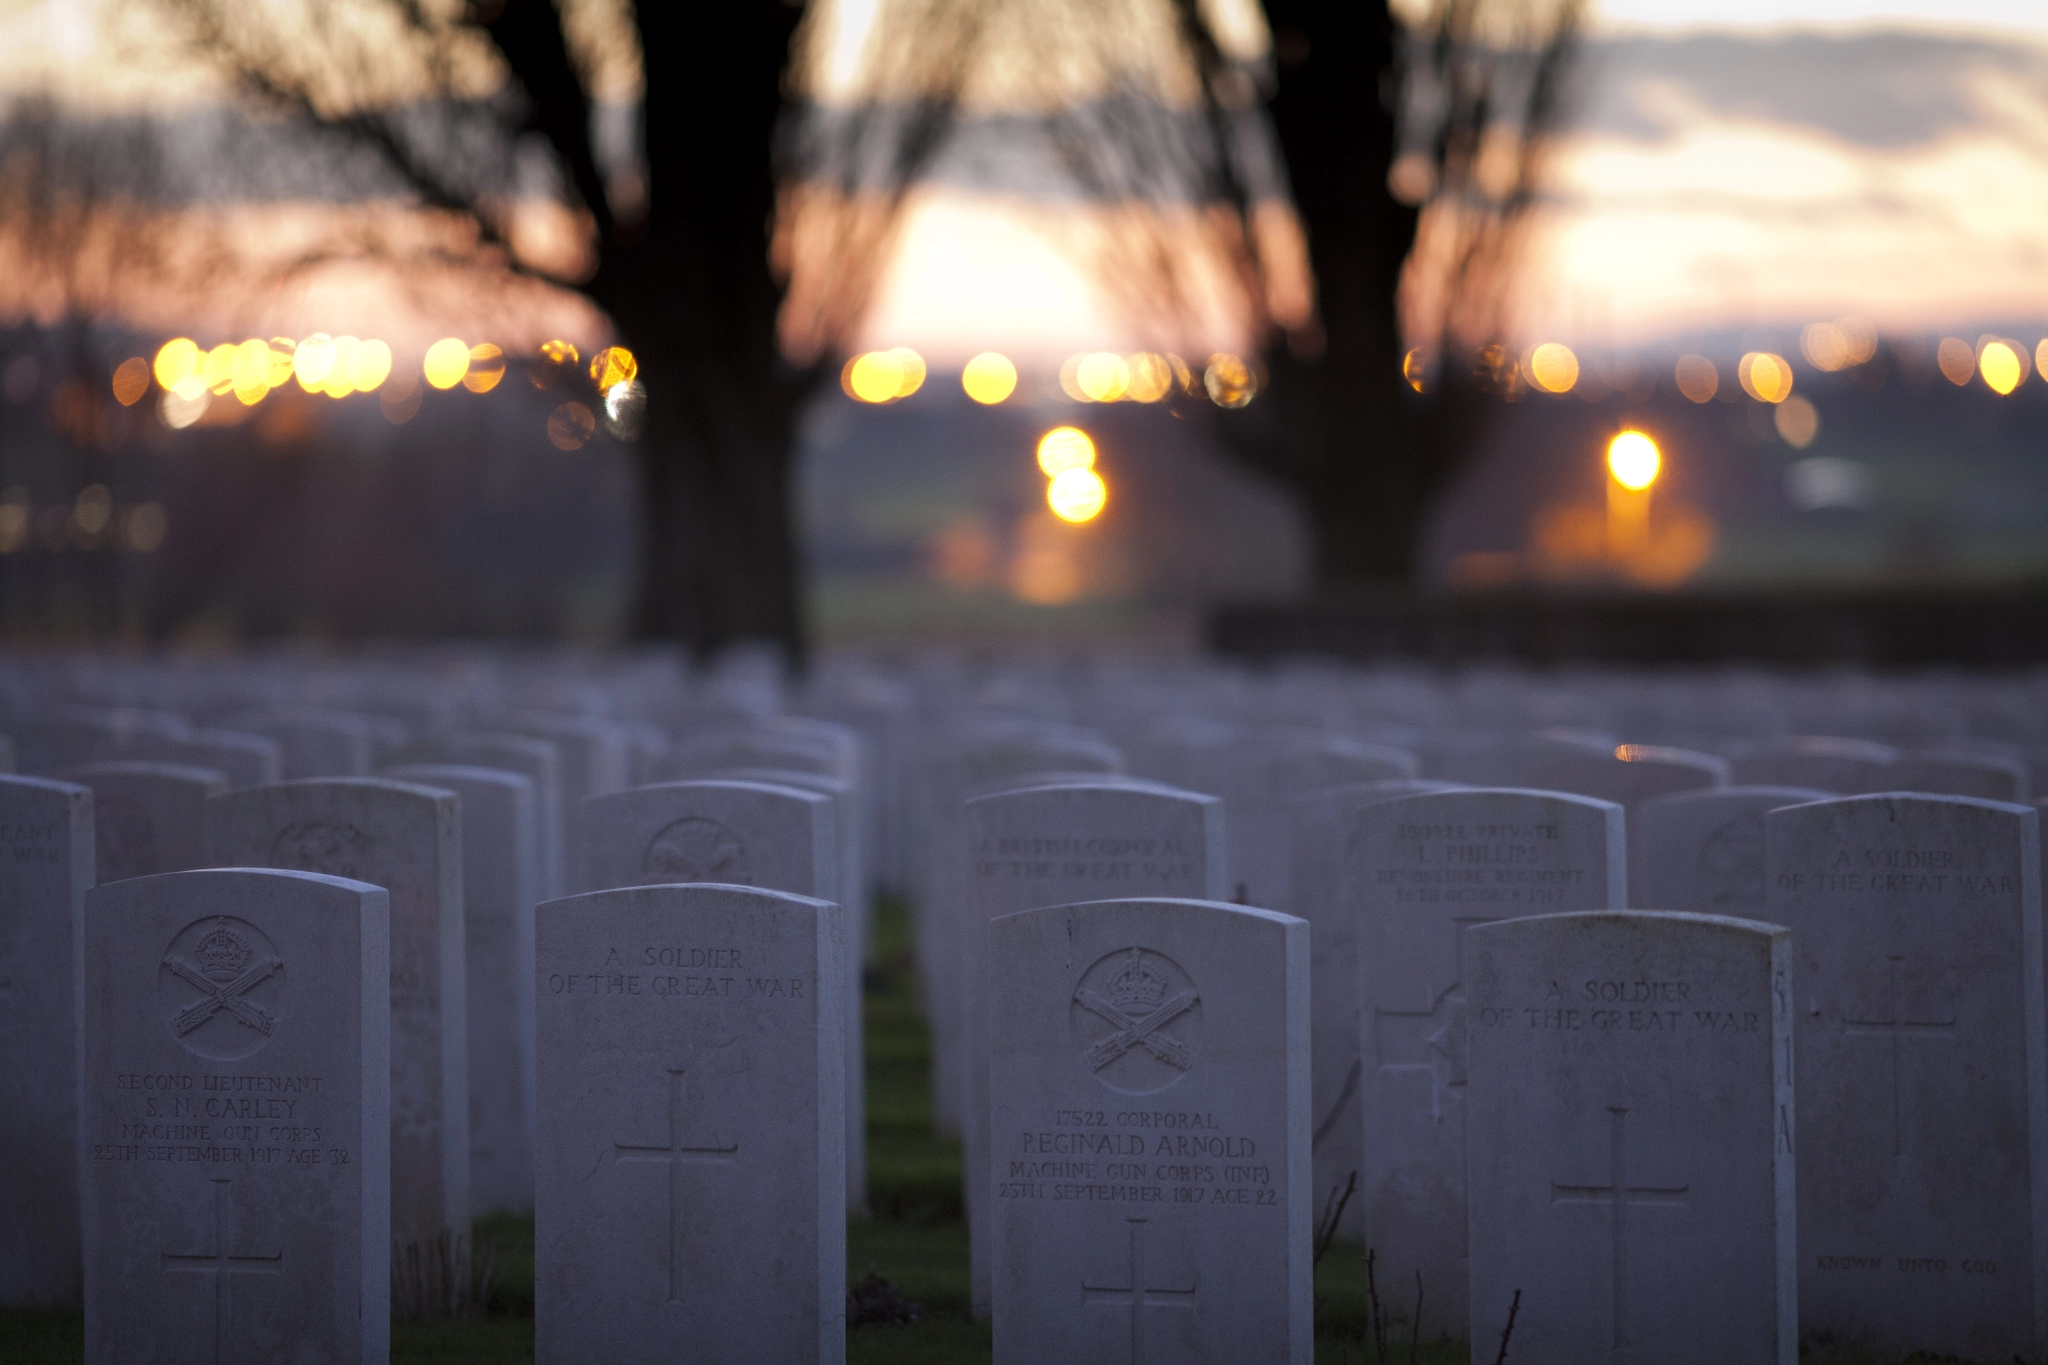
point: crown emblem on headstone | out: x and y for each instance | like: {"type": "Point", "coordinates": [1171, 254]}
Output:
{"type": "Point", "coordinates": [222, 954]}
{"type": "Point", "coordinates": [1136, 986]}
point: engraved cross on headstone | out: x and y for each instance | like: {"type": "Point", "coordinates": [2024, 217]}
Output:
{"type": "Point", "coordinates": [1619, 1195]}
{"type": "Point", "coordinates": [1138, 1295]}
{"type": "Point", "coordinates": [1899, 1028]}
{"type": "Point", "coordinates": [221, 1265]}
{"type": "Point", "coordinates": [1431, 1040]}
{"type": "Point", "coordinates": [675, 1153]}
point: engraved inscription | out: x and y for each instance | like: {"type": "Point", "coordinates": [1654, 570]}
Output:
{"type": "Point", "coordinates": [1731, 865]}
{"type": "Point", "coordinates": [1096, 859]}
{"type": "Point", "coordinates": [272, 1120]}
{"type": "Point", "coordinates": [696, 850]}
{"type": "Point", "coordinates": [1137, 1020]}
{"type": "Point", "coordinates": [1498, 863]}
{"type": "Point", "coordinates": [220, 984]}
{"type": "Point", "coordinates": [1611, 1006]}
{"type": "Point", "coordinates": [335, 850]}
{"type": "Point", "coordinates": [38, 843]}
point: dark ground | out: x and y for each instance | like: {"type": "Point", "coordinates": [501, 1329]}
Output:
{"type": "Point", "coordinates": [916, 1240]}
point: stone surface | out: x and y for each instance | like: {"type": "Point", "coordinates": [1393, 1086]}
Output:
{"type": "Point", "coordinates": [1835, 765]}
{"type": "Point", "coordinates": [539, 761]}
{"type": "Point", "coordinates": [689, 1199]}
{"type": "Point", "coordinates": [851, 894]}
{"type": "Point", "coordinates": [1921, 1065]}
{"type": "Point", "coordinates": [236, 1126]}
{"type": "Point", "coordinates": [407, 839]}
{"type": "Point", "coordinates": [1421, 871]}
{"type": "Point", "coordinates": [46, 865]}
{"type": "Point", "coordinates": [985, 758]}
{"type": "Point", "coordinates": [1955, 772]}
{"type": "Point", "coordinates": [246, 760]}
{"type": "Point", "coordinates": [780, 838]}
{"type": "Point", "coordinates": [738, 833]}
{"type": "Point", "coordinates": [147, 817]}
{"type": "Point", "coordinates": [1056, 845]}
{"type": "Point", "coordinates": [60, 737]}
{"type": "Point", "coordinates": [1150, 1130]}
{"type": "Point", "coordinates": [1703, 851]}
{"type": "Point", "coordinates": [1319, 826]}
{"type": "Point", "coordinates": [1630, 1139]}
{"type": "Point", "coordinates": [595, 755]}
{"type": "Point", "coordinates": [315, 742]}
{"type": "Point", "coordinates": [500, 887]}
{"type": "Point", "coordinates": [1269, 768]}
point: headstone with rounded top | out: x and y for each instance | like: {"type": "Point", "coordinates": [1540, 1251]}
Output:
{"type": "Point", "coordinates": [1421, 872]}
{"type": "Point", "coordinates": [407, 839]}
{"type": "Point", "coordinates": [689, 1194]}
{"type": "Point", "coordinates": [236, 1127]}
{"type": "Point", "coordinates": [1963, 772]}
{"type": "Point", "coordinates": [1320, 825]}
{"type": "Point", "coordinates": [1821, 761]}
{"type": "Point", "coordinates": [741, 833]}
{"type": "Point", "coordinates": [1149, 1124]}
{"type": "Point", "coordinates": [1703, 851]}
{"type": "Point", "coordinates": [537, 760]}
{"type": "Point", "coordinates": [1054, 845]}
{"type": "Point", "coordinates": [500, 887]}
{"type": "Point", "coordinates": [148, 817]}
{"type": "Point", "coordinates": [1630, 1137]}
{"type": "Point", "coordinates": [46, 866]}
{"type": "Point", "coordinates": [1266, 769]}
{"type": "Point", "coordinates": [1922, 1070]}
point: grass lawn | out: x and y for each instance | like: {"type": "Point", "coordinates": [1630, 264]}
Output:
{"type": "Point", "coordinates": [915, 1239]}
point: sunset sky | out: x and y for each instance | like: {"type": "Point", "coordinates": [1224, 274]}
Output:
{"type": "Point", "coordinates": [1735, 164]}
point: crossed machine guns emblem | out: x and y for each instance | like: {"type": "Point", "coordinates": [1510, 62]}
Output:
{"type": "Point", "coordinates": [227, 970]}
{"type": "Point", "coordinates": [1139, 1007]}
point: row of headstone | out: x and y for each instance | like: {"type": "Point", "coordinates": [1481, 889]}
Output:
{"type": "Point", "coordinates": [993, 796]}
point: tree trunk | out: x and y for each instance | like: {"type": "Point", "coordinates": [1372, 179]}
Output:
{"type": "Point", "coordinates": [690, 290]}
{"type": "Point", "coordinates": [1366, 456]}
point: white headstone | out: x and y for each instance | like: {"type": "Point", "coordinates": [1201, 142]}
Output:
{"type": "Point", "coordinates": [500, 887]}
{"type": "Point", "coordinates": [1319, 826]}
{"type": "Point", "coordinates": [1956, 772]}
{"type": "Point", "coordinates": [316, 742]}
{"type": "Point", "coordinates": [1055, 845]}
{"type": "Point", "coordinates": [236, 1124]}
{"type": "Point", "coordinates": [1922, 1070]}
{"type": "Point", "coordinates": [1829, 764]}
{"type": "Point", "coordinates": [1703, 851]}
{"type": "Point", "coordinates": [407, 839]}
{"type": "Point", "coordinates": [851, 894]}
{"type": "Point", "coordinates": [985, 759]}
{"type": "Point", "coordinates": [245, 760]}
{"type": "Point", "coordinates": [780, 838]}
{"type": "Point", "coordinates": [46, 864]}
{"type": "Point", "coordinates": [148, 817]}
{"type": "Point", "coordinates": [1268, 769]}
{"type": "Point", "coordinates": [737, 833]}
{"type": "Point", "coordinates": [1630, 1140]}
{"type": "Point", "coordinates": [1149, 1082]}
{"type": "Point", "coordinates": [689, 1195]}
{"type": "Point", "coordinates": [66, 736]}
{"type": "Point", "coordinates": [595, 755]}
{"type": "Point", "coordinates": [1421, 872]}
{"type": "Point", "coordinates": [539, 761]}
